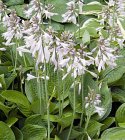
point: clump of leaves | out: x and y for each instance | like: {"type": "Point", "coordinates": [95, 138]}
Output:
{"type": "Point", "coordinates": [62, 70]}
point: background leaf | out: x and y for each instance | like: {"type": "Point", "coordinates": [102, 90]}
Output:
{"type": "Point", "coordinates": [18, 98]}
{"type": "Point", "coordinates": [5, 132]}
{"type": "Point", "coordinates": [34, 132]}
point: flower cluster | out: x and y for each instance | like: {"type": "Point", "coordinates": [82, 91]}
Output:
{"type": "Point", "coordinates": [46, 46]}
{"type": "Point", "coordinates": [93, 102]}
{"type": "Point", "coordinates": [3, 10]}
{"type": "Point", "coordinates": [39, 10]}
{"type": "Point", "coordinates": [71, 14]}
{"type": "Point", "coordinates": [72, 11]}
{"type": "Point", "coordinates": [12, 23]}
{"type": "Point", "coordinates": [111, 15]}
{"type": "Point", "coordinates": [76, 60]}
{"type": "Point", "coordinates": [105, 55]}
{"type": "Point", "coordinates": [120, 7]}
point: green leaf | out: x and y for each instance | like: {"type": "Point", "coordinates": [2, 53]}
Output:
{"type": "Point", "coordinates": [92, 22]}
{"type": "Point", "coordinates": [120, 114]}
{"type": "Point", "coordinates": [40, 120]}
{"type": "Point", "coordinates": [91, 26]}
{"type": "Point", "coordinates": [120, 61]}
{"type": "Point", "coordinates": [35, 106]}
{"type": "Point", "coordinates": [34, 132]}
{"type": "Point", "coordinates": [2, 81]}
{"type": "Point", "coordinates": [93, 128]}
{"type": "Point", "coordinates": [116, 133]}
{"type": "Point", "coordinates": [19, 10]}
{"type": "Point", "coordinates": [106, 99]}
{"type": "Point", "coordinates": [118, 95]}
{"type": "Point", "coordinates": [5, 108]}
{"type": "Point", "coordinates": [113, 75]}
{"type": "Point", "coordinates": [107, 122]}
{"type": "Point", "coordinates": [11, 121]}
{"type": "Point", "coordinates": [31, 90]}
{"type": "Point", "coordinates": [10, 79]}
{"type": "Point", "coordinates": [56, 138]}
{"type": "Point", "coordinates": [3, 69]}
{"type": "Point", "coordinates": [92, 8]}
{"type": "Point", "coordinates": [121, 125]}
{"type": "Point", "coordinates": [19, 99]}
{"type": "Point", "coordinates": [57, 26]}
{"type": "Point", "coordinates": [86, 37]}
{"type": "Point", "coordinates": [71, 27]}
{"type": "Point", "coordinates": [18, 134]}
{"type": "Point", "coordinates": [74, 134]}
{"type": "Point", "coordinates": [66, 119]}
{"type": "Point", "coordinates": [13, 2]}
{"type": "Point", "coordinates": [59, 8]}
{"type": "Point", "coordinates": [5, 132]}
{"type": "Point", "coordinates": [120, 22]}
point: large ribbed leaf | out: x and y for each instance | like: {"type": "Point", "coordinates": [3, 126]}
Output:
{"type": "Point", "coordinates": [19, 10]}
{"type": "Point", "coordinates": [60, 8]}
{"type": "Point", "coordinates": [92, 8]}
{"type": "Point", "coordinates": [73, 136]}
{"type": "Point", "coordinates": [113, 75]}
{"type": "Point", "coordinates": [40, 120]}
{"type": "Point", "coordinates": [10, 79]}
{"type": "Point", "coordinates": [5, 132]}
{"type": "Point", "coordinates": [19, 99]}
{"type": "Point", "coordinates": [31, 90]}
{"type": "Point", "coordinates": [18, 134]}
{"type": "Point", "coordinates": [5, 108]}
{"type": "Point", "coordinates": [120, 114]}
{"type": "Point", "coordinates": [13, 2]}
{"type": "Point", "coordinates": [106, 99]}
{"type": "Point", "coordinates": [90, 25]}
{"type": "Point", "coordinates": [34, 132]}
{"type": "Point", "coordinates": [94, 128]}
{"type": "Point", "coordinates": [107, 122]}
{"type": "Point", "coordinates": [118, 95]}
{"type": "Point", "coordinates": [116, 133]}
{"type": "Point", "coordinates": [66, 119]}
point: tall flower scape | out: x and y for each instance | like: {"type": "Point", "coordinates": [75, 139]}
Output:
{"type": "Point", "coordinates": [64, 66]}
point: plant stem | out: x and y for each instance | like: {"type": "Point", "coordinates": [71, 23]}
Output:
{"type": "Point", "coordinates": [83, 101]}
{"type": "Point", "coordinates": [16, 56]}
{"type": "Point", "coordinates": [24, 60]}
{"type": "Point", "coordinates": [58, 77]}
{"type": "Point", "coordinates": [47, 103]}
{"type": "Point", "coordinates": [74, 105]}
{"type": "Point", "coordinates": [63, 97]}
{"type": "Point", "coordinates": [39, 92]}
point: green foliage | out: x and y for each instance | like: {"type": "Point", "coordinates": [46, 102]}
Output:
{"type": "Point", "coordinates": [13, 2]}
{"type": "Point", "coordinates": [19, 99]}
{"type": "Point", "coordinates": [33, 132]}
{"type": "Point", "coordinates": [34, 109]}
{"type": "Point", "coordinates": [116, 133]}
{"type": "Point", "coordinates": [5, 132]}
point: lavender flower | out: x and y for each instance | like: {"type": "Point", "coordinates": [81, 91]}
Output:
{"type": "Point", "coordinates": [38, 41]}
{"type": "Point", "coordinates": [39, 10]}
{"type": "Point", "coordinates": [75, 60]}
{"type": "Point", "coordinates": [105, 55]}
{"type": "Point", "coordinates": [71, 14]}
{"type": "Point", "coordinates": [3, 10]}
{"type": "Point", "coordinates": [12, 23]}
{"type": "Point", "coordinates": [30, 77]}
{"type": "Point", "coordinates": [93, 102]}
{"type": "Point", "coordinates": [120, 7]}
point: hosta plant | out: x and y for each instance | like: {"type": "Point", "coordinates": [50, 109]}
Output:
{"type": "Point", "coordinates": [62, 70]}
